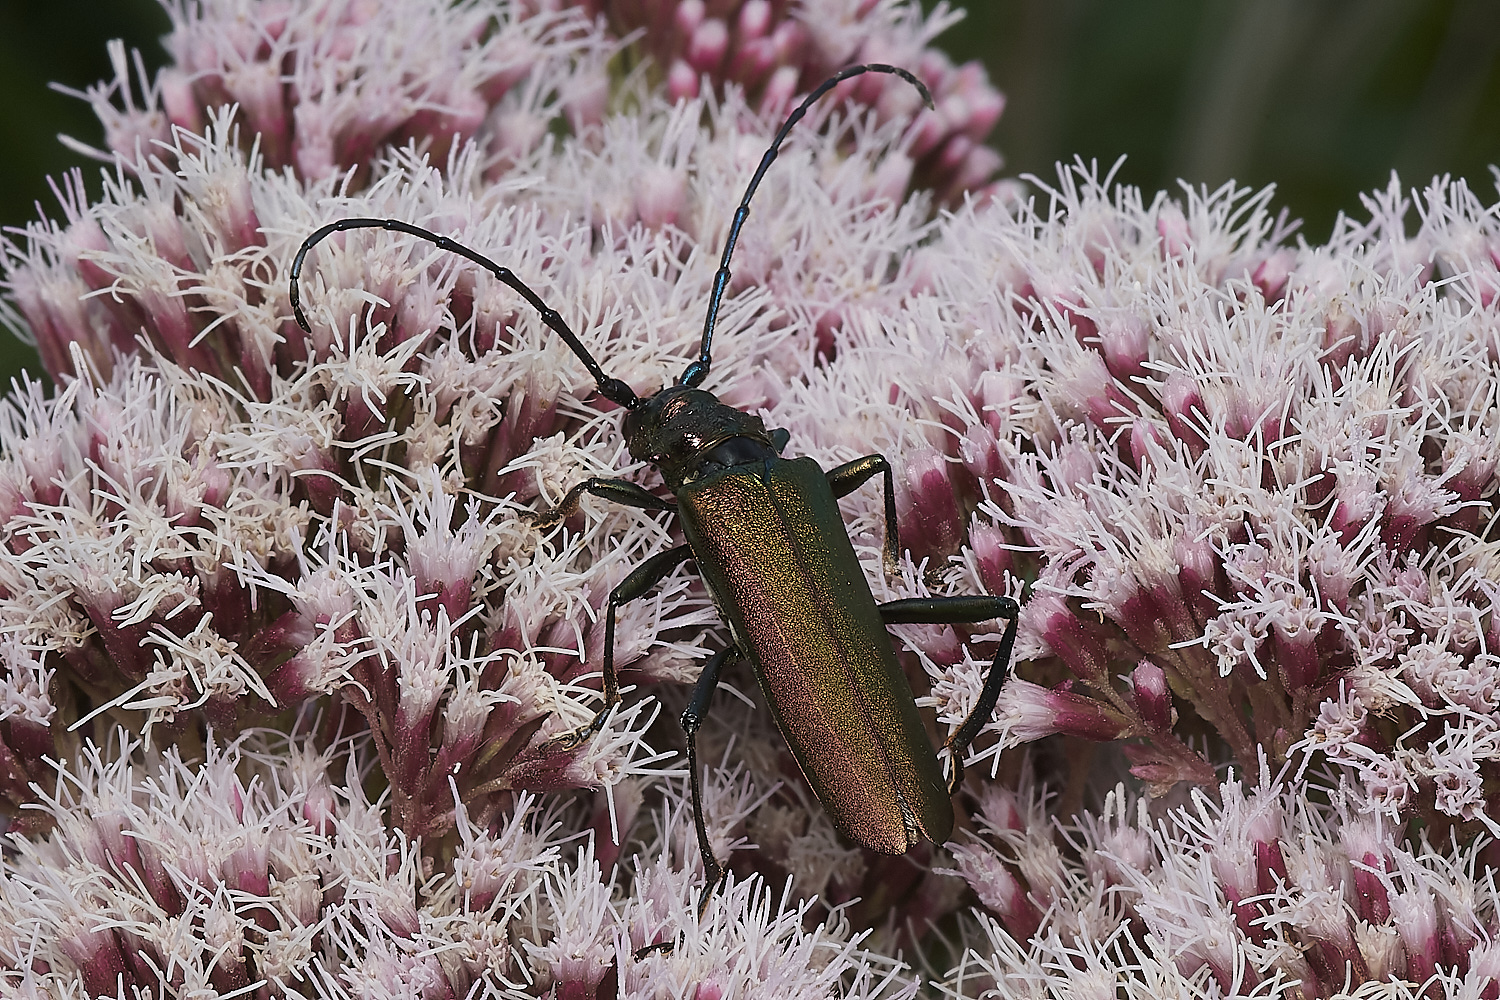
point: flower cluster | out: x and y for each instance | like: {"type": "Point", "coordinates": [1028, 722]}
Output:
{"type": "Point", "coordinates": [1254, 482]}
{"type": "Point", "coordinates": [261, 868]}
{"type": "Point", "coordinates": [776, 50]}
{"type": "Point", "coordinates": [1243, 486]}
{"type": "Point", "coordinates": [1241, 891]}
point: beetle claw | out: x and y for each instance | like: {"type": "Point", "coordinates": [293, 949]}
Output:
{"type": "Point", "coordinates": [956, 778]}
{"type": "Point", "coordinates": [714, 883]}
{"type": "Point", "coordinates": [576, 738]}
{"type": "Point", "coordinates": [664, 947]}
{"type": "Point", "coordinates": [542, 520]}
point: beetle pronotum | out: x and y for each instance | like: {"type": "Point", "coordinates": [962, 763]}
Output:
{"type": "Point", "coordinates": [771, 546]}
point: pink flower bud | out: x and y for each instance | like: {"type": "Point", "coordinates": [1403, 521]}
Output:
{"type": "Point", "coordinates": [81, 245]}
{"type": "Point", "coordinates": [1372, 902]}
{"type": "Point", "coordinates": [998, 890]}
{"type": "Point", "coordinates": [518, 132]}
{"type": "Point", "coordinates": [1123, 338]}
{"type": "Point", "coordinates": [1172, 227]}
{"type": "Point", "coordinates": [1143, 435]}
{"type": "Point", "coordinates": [708, 45]}
{"type": "Point", "coordinates": [182, 106]}
{"type": "Point", "coordinates": [660, 196]}
{"type": "Point", "coordinates": [1296, 627]}
{"type": "Point", "coordinates": [754, 20]}
{"type": "Point", "coordinates": [931, 523]}
{"type": "Point", "coordinates": [1271, 274]}
{"type": "Point", "coordinates": [927, 132]}
{"type": "Point", "coordinates": [546, 767]}
{"type": "Point", "coordinates": [1048, 616]}
{"type": "Point", "coordinates": [891, 178]}
{"type": "Point", "coordinates": [688, 15]}
{"type": "Point", "coordinates": [1183, 405]}
{"type": "Point", "coordinates": [231, 209]}
{"type": "Point", "coordinates": [1153, 700]}
{"type": "Point", "coordinates": [682, 82]}
{"type": "Point", "coordinates": [1028, 712]}
{"type": "Point", "coordinates": [777, 96]}
{"type": "Point", "coordinates": [1000, 394]}
{"type": "Point", "coordinates": [1414, 914]}
{"type": "Point", "coordinates": [257, 87]}
{"type": "Point", "coordinates": [1342, 336]}
{"type": "Point", "coordinates": [247, 869]}
{"type": "Point", "coordinates": [96, 952]}
{"type": "Point", "coordinates": [585, 103]}
{"type": "Point", "coordinates": [980, 454]}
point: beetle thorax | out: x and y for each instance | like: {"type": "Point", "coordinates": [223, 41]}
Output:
{"type": "Point", "coordinates": [679, 429]}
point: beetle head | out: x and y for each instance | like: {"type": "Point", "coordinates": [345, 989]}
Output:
{"type": "Point", "coordinates": [676, 429]}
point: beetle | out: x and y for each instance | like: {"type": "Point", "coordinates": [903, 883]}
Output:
{"type": "Point", "coordinates": [771, 546]}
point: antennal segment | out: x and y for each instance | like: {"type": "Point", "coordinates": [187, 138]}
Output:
{"type": "Point", "coordinates": [610, 388]}
{"type": "Point", "coordinates": [698, 370]}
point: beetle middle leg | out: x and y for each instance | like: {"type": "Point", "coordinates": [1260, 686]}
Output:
{"type": "Point", "coordinates": [641, 579]}
{"type": "Point", "coordinates": [851, 476]}
{"type": "Point", "coordinates": [956, 611]}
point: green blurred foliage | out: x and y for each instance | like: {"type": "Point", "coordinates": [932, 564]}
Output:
{"type": "Point", "coordinates": [42, 41]}
{"type": "Point", "coordinates": [1322, 97]}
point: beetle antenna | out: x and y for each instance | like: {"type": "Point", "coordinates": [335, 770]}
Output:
{"type": "Point", "coordinates": [610, 388]}
{"type": "Point", "coordinates": [698, 370]}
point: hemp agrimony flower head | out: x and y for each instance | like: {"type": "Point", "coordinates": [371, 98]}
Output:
{"type": "Point", "coordinates": [1248, 485]}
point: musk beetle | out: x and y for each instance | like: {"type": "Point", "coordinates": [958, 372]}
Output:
{"type": "Point", "coordinates": [772, 548]}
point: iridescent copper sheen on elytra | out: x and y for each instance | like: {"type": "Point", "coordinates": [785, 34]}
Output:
{"type": "Point", "coordinates": [774, 552]}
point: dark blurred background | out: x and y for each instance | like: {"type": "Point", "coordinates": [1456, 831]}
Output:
{"type": "Point", "coordinates": [1323, 97]}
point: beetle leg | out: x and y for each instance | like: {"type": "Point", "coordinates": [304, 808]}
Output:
{"type": "Point", "coordinates": [618, 490]}
{"type": "Point", "coordinates": [641, 579]}
{"type": "Point", "coordinates": [954, 611]}
{"type": "Point", "coordinates": [692, 718]}
{"type": "Point", "coordinates": [851, 476]}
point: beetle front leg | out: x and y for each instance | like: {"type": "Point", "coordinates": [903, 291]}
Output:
{"type": "Point", "coordinates": [620, 491]}
{"type": "Point", "coordinates": [851, 476]}
{"type": "Point", "coordinates": [692, 718]}
{"type": "Point", "coordinates": [956, 611]}
{"type": "Point", "coordinates": [641, 579]}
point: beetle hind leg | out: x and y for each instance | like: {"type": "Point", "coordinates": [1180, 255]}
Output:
{"type": "Point", "coordinates": [956, 611]}
{"type": "Point", "coordinates": [692, 717]}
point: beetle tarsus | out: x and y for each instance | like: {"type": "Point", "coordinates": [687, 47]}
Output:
{"type": "Point", "coordinates": [664, 947]}
{"type": "Point", "coordinates": [575, 738]}
{"type": "Point", "coordinates": [716, 881]}
{"type": "Point", "coordinates": [955, 758]}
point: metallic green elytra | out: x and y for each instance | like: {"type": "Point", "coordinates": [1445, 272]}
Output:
{"type": "Point", "coordinates": [768, 539]}
{"type": "Point", "coordinates": [776, 557]}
